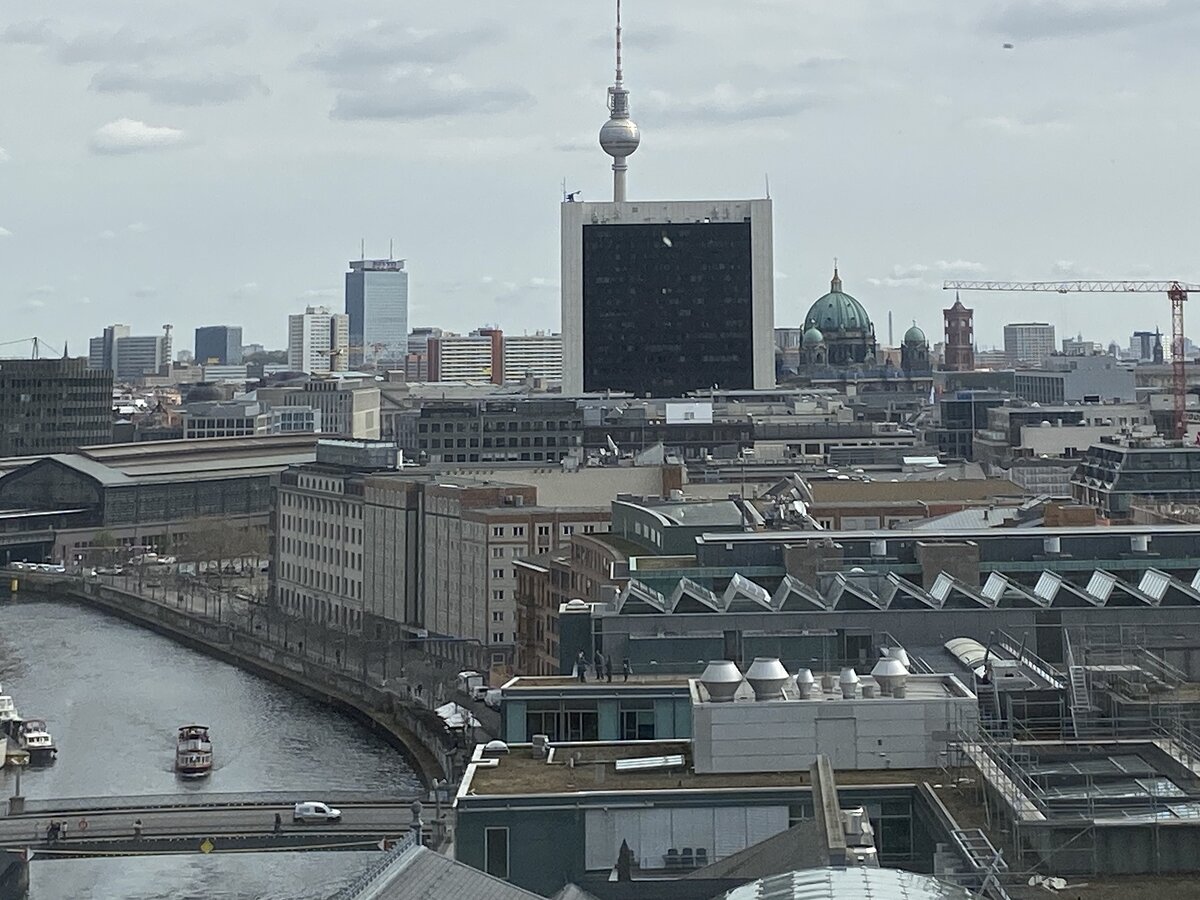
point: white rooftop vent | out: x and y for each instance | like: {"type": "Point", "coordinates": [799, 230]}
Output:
{"type": "Point", "coordinates": [767, 676]}
{"type": "Point", "coordinates": [495, 748]}
{"type": "Point", "coordinates": [541, 746]}
{"type": "Point", "coordinates": [804, 683]}
{"type": "Point", "coordinates": [848, 681]}
{"type": "Point", "coordinates": [898, 653]}
{"type": "Point", "coordinates": [576, 605]}
{"type": "Point", "coordinates": [721, 679]}
{"type": "Point", "coordinates": [889, 673]}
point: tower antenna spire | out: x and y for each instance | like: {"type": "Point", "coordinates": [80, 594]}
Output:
{"type": "Point", "coordinates": [620, 136]}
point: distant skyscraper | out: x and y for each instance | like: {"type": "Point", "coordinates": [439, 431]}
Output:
{"type": "Point", "coordinates": [102, 350]}
{"type": "Point", "coordinates": [478, 356]}
{"type": "Point", "coordinates": [318, 341]}
{"type": "Point", "coordinates": [1028, 343]}
{"type": "Point", "coordinates": [620, 136]}
{"type": "Point", "coordinates": [377, 304]}
{"type": "Point", "coordinates": [219, 343]}
{"type": "Point", "coordinates": [960, 337]}
{"type": "Point", "coordinates": [139, 355]}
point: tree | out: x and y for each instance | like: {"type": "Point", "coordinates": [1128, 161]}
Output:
{"type": "Point", "coordinates": [103, 549]}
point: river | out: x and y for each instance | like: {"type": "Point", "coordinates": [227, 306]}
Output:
{"type": "Point", "coordinates": [113, 695]}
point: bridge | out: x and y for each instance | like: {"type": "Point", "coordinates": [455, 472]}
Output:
{"type": "Point", "coordinates": [209, 823]}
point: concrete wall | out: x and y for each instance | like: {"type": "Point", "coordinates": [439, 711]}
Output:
{"type": "Point", "coordinates": [786, 735]}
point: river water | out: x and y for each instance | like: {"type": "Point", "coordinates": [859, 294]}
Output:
{"type": "Point", "coordinates": [113, 695]}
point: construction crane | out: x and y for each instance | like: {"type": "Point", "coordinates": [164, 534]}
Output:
{"type": "Point", "coordinates": [1176, 291]}
{"type": "Point", "coordinates": [35, 341]}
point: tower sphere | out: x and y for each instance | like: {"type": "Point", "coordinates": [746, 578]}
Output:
{"type": "Point", "coordinates": [619, 137]}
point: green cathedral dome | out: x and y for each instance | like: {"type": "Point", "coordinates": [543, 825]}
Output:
{"type": "Point", "coordinates": [838, 311]}
{"type": "Point", "coordinates": [914, 335]}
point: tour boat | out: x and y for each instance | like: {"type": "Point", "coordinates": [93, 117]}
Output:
{"type": "Point", "coordinates": [34, 739]}
{"type": "Point", "coordinates": [8, 710]}
{"type": "Point", "coordinates": [193, 753]}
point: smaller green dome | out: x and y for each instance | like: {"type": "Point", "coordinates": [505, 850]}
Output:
{"type": "Point", "coordinates": [812, 337]}
{"type": "Point", "coordinates": [914, 335]}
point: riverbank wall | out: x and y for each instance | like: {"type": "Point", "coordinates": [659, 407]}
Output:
{"type": "Point", "coordinates": [416, 731]}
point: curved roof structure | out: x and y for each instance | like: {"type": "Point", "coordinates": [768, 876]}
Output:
{"type": "Point", "coordinates": [858, 883]}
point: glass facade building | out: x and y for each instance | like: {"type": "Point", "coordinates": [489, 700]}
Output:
{"type": "Point", "coordinates": [667, 308]}
{"type": "Point", "coordinates": [667, 297]}
{"type": "Point", "coordinates": [219, 343]}
{"type": "Point", "coordinates": [377, 304]}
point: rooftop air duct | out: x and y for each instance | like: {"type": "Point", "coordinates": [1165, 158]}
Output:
{"type": "Point", "coordinates": [889, 673]}
{"type": "Point", "coordinates": [767, 676]}
{"type": "Point", "coordinates": [848, 682]}
{"type": "Point", "coordinates": [804, 683]}
{"type": "Point", "coordinates": [721, 679]}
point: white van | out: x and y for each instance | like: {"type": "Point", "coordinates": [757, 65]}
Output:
{"type": "Point", "coordinates": [312, 811]}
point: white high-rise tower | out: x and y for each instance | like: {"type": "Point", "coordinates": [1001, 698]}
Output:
{"type": "Point", "coordinates": [620, 136]}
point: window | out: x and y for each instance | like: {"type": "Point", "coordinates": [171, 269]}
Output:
{"type": "Point", "coordinates": [495, 852]}
{"type": "Point", "coordinates": [543, 531]}
{"type": "Point", "coordinates": [498, 617]}
{"type": "Point", "coordinates": [519, 531]}
{"type": "Point", "coordinates": [497, 637]}
{"type": "Point", "coordinates": [497, 595]}
{"type": "Point", "coordinates": [497, 552]}
{"type": "Point", "coordinates": [497, 573]}
{"type": "Point", "coordinates": [637, 720]}
{"type": "Point", "coordinates": [497, 531]}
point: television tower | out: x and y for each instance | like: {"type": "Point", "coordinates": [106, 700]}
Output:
{"type": "Point", "coordinates": [620, 136]}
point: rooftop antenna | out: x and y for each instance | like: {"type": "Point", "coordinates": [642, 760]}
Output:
{"type": "Point", "coordinates": [362, 249]}
{"type": "Point", "coordinates": [767, 182]}
{"type": "Point", "coordinates": [391, 248]}
{"type": "Point", "coordinates": [620, 136]}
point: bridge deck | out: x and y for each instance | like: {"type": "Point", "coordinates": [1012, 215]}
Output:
{"type": "Point", "coordinates": [196, 827]}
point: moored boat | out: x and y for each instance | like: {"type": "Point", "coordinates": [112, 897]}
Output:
{"type": "Point", "coordinates": [34, 739]}
{"type": "Point", "coordinates": [193, 751]}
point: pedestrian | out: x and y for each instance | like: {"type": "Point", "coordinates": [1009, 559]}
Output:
{"type": "Point", "coordinates": [137, 829]}
{"type": "Point", "coordinates": [626, 669]}
{"type": "Point", "coordinates": [598, 663]}
{"type": "Point", "coordinates": [62, 830]}
{"type": "Point", "coordinates": [278, 823]}
{"type": "Point", "coordinates": [581, 666]}
{"type": "Point", "coordinates": [608, 669]}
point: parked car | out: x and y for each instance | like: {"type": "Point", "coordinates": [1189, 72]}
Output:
{"type": "Point", "coordinates": [314, 811]}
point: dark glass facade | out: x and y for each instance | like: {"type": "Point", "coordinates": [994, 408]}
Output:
{"type": "Point", "coordinates": [667, 308]}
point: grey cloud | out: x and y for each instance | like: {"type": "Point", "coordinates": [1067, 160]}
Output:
{"type": "Point", "coordinates": [383, 45]}
{"type": "Point", "coordinates": [124, 45]}
{"type": "Point", "coordinates": [417, 96]}
{"type": "Point", "coordinates": [180, 89]}
{"type": "Point", "coordinates": [34, 32]}
{"type": "Point", "coordinates": [1045, 19]}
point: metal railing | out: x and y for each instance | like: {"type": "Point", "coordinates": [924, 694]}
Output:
{"type": "Point", "coordinates": [368, 876]}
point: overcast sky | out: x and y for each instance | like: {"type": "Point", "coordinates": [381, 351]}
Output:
{"type": "Point", "coordinates": [220, 162]}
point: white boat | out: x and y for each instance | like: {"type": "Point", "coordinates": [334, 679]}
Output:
{"type": "Point", "coordinates": [8, 710]}
{"type": "Point", "coordinates": [34, 739]}
{"type": "Point", "coordinates": [193, 751]}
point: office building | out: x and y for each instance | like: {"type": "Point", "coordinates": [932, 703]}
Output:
{"type": "Point", "coordinates": [348, 408]}
{"type": "Point", "coordinates": [536, 355]}
{"type": "Point", "coordinates": [318, 341]}
{"type": "Point", "coordinates": [102, 351]}
{"type": "Point", "coordinates": [490, 430]}
{"type": "Point", "coordinates": [960, 337]}
{"type": "Point", "coordinates": [220, 344]}
{"type": "Point", "coordinates": [664, 298]}
{"type": "Point", "coordinates": [377, 304]}
{"type": "Point", "coordinates": [1146, 346]}
{"type": "Point", "coordinates": [53, 406]}
{"type": "Point", "coordinates": [478, 356]}
{"type": "Point", "coordinates": [1080, 379]}
{"type": "Point", "coordinates": [1028, 343]}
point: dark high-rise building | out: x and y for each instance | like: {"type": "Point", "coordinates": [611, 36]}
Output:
{"type": "Point", "coordinates": [53, 406]}
{"type": "Point", "coordinates": [219, 344]}
{"type": "Point", "coordinates": [377, 304]}
{"type": "Point", "coordinates": [665, 298]}
{"type": "Point", "coordinates": [960, 338]}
